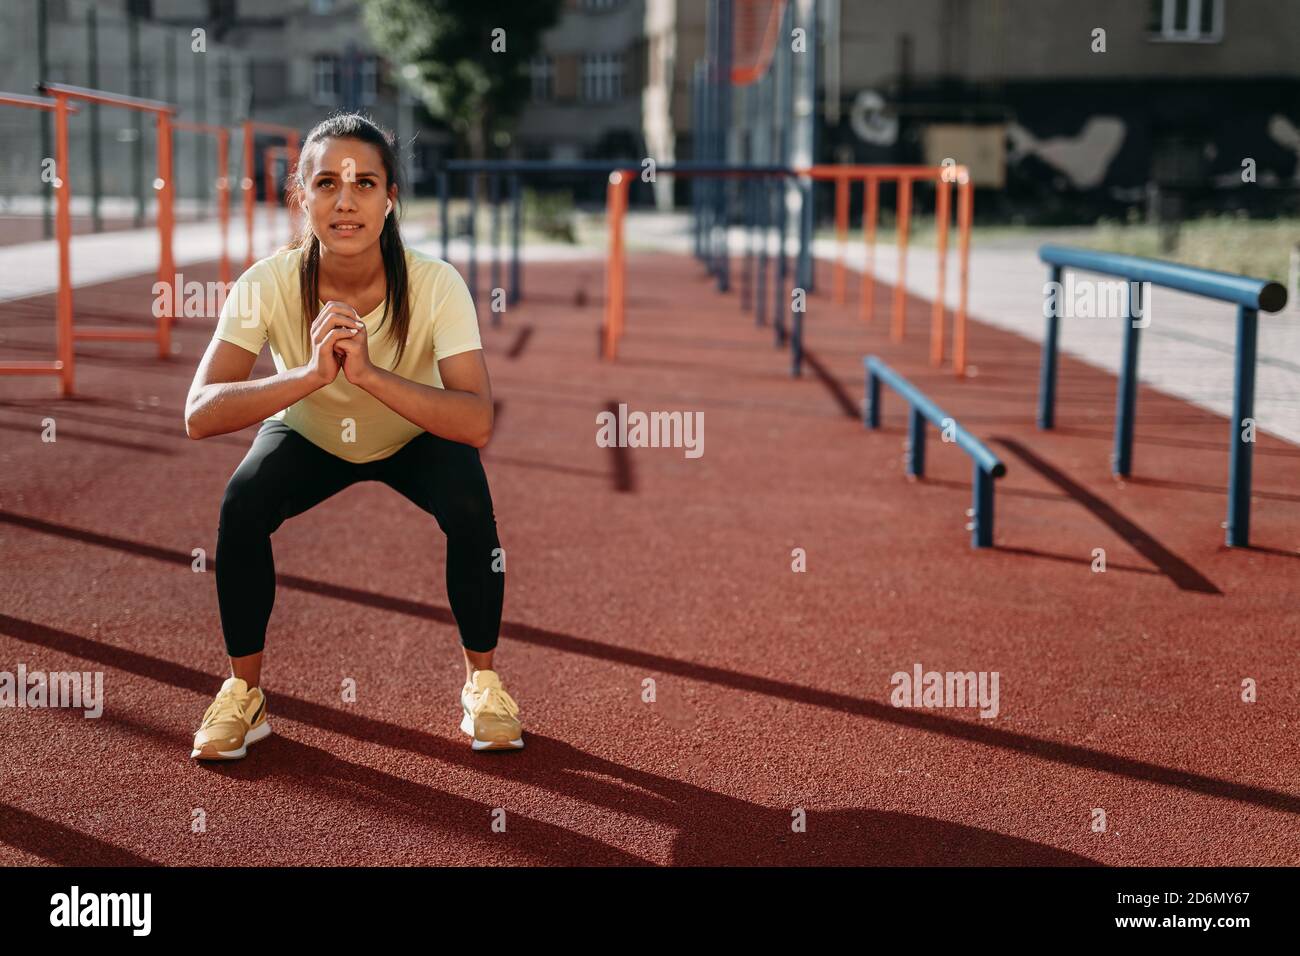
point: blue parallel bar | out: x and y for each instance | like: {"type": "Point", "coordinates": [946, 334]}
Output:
{"type": "Point", "coordinates": [1126, 396]}
{"type": "Point", "coordinates": [1047, 369]}
{"type": "Point", "coordinates": [1250, 295]}
{"type": "Point", "coordinates": [1225, 286]}
{"type": "Point", "coordinates": [1243, 407]}
{"type": "Point", "coordinates": [987, 466]}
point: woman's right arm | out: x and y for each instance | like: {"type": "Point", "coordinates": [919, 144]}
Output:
{"type": "Point", "coordinates": [222, 399]}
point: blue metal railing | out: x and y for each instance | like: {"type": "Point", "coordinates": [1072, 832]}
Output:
{"type": "Point", "coordinates": [986, 465]}
{"type": "Point", "coordinates": [1250, 295]}
{"type": "Point", "coordinates": [755, 220]}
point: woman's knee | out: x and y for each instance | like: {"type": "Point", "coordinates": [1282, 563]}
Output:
{"type": "Point", "coordinates": [246, 505]}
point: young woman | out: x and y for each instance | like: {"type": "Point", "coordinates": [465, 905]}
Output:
{"type": "Point", "coordinates": [380, 377]}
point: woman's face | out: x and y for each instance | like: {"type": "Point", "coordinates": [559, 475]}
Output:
{"type": "Point", "coordinates": [347, 194]}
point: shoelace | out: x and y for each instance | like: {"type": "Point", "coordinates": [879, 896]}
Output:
{"type": "Point", "coordinates": [227, 704]}
{"type": "Point", "coordinates": [496, 700]}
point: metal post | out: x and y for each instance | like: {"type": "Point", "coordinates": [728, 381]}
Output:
{"type": "Point", "coordinates": [916, 443]}
{"type": "Point", "coordinates": [443, 200]}
{"type": "Point", "coordinates": [494, 198]}
{"type": "Point", "coordinates": [473, 237]}
{"type": "Point", "coordinates": [1047, 366]}
{"type": "Point", "coordinates": [872, 409]}
{"type": "Point", "coordinates": [137, 122]}
{"type": "Point", "coordinates": [697, 118]}
{"type": "Point", "coordinates": [1122, 462]}
{"type": "Point", "coordinates": [764, 187]}
{"type": "Point", "coordinates": [724, 132]}
{"type": "Point", "coordinates": [43, 71]}
{"type": "Point", "coordinates": [96, 180]}
{"type": "Point", "coordinates": [780, 307]}
{"type": "Point", "coordinates": [808, 267]}
{"type": "Point", "coordinates": [747, 236]}
{"type": "Point", "coordinates": [982, 509]}
{"type": "Point", "coordinates": [516, 228]}
{"type": "Point", "coordinates": [201, 109]}
{"type": "Point", "coordinates": [63, 216]}
{"type": "Point", "coordinates": [1243, 408]}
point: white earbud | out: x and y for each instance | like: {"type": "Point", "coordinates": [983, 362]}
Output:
{"type": "Point", "coordinates": [390, 207]}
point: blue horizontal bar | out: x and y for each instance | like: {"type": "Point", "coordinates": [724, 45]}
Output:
{"type": "Point", "coordinates": [965, 440]}
{"type": "Point", "coordinates": [1226, 286]}
{"type": "Point", "coordinates": [607, 166]}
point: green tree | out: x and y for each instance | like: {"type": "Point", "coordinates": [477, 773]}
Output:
{"type": "Point", "coordinates": [465, 59]}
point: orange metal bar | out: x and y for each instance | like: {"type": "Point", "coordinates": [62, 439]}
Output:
{"type": "Point", "coordinates": [223, 201]}
{"type": "Point", "coordinates": [841, 234]}
{"type": "Point", "coordinates": [166, 187]}
{"type": "Point", "coordinates": [938, 310]}
{"type": "Point", "coordinates": [900, 283]}
{"type": "Point", "coordinates": [965, 217]}
{"type": "Point", "coordinates": [870, 214]}
{"type": "Point", "coordinates": [62, 365]}
{"type": "Point", "coordinates": [63, 231]}
{"type": "Point", "coordinates": [104, 98]}
{"type": "Point", "coordinates": [833, 171]}
{"type": "Point", "coordinates": [166, 193]}
{"type": "Point", "coordinates": [43, 103]}
{"type": "Point", "coordinates": [615, 203]}
{"type": "Point", "coordinates": [291, 137]}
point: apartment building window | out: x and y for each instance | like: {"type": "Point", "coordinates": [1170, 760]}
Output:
{"type": "Point", "coordinates": [541, 72]}
{"type": "Point", "coordinates": [602, 76]}
{"type": "Point", "coordinates": [325, 80]}
{"type": "Point", "coordinates": [369, 80]}
{"type": "Point", "coordinates": [1185, 21]}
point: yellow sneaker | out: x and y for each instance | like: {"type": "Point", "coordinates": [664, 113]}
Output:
{"type": "Point", "coordinates": [234, 720]}
{"type": "Point", "coordinates": [491, 715]}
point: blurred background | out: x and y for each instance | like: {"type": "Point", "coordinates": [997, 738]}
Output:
{"type": "Point", "coordinates": [1175, 131]}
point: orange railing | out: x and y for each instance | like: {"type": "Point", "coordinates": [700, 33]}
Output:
{"type": "Point", "coordinates": [872, 176]}
{"type": "Point", "coordinates": [61, 366]}
{"type": "Point", "coordinates": [944, 178]}
{"type": "Point", "coordinates": [291, 139]}
{"type": "Point", "coordinates": [163, 185]}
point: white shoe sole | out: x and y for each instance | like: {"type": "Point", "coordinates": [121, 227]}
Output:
{"type": "Point", "coordinates": [259, 732]}
{"type": "Point", "coordinates": [467, 725]}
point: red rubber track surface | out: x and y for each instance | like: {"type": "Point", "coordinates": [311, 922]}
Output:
{"type": "Point", "coordinates": [1118, 690]}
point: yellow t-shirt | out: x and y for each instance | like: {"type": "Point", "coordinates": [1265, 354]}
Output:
{"type": "Point", "coordinates": [265, 305]}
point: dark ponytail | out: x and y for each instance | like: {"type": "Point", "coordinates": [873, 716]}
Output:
{"type": "Point", "coordinates": [396, 299]}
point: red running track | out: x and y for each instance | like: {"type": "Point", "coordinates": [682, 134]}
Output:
{"type": "Point", "coordinates": [1118, 690]}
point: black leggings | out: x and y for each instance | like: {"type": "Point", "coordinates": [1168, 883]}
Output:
{"type": "Point", "coordinates": [284, 474]}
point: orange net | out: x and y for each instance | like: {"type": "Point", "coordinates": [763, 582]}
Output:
{"type": "Point", "coordinates": [755, 26]}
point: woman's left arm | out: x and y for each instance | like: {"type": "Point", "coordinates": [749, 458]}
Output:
{"type": "Point", "coordinates": [460, 411]}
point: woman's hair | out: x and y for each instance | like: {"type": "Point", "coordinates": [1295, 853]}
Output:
{"type": "Point", "coordinates": [396, 301]}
